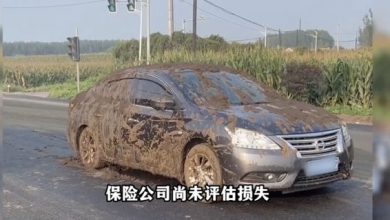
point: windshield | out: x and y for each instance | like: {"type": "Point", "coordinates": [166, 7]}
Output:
{"type": "Point", "coordinates": [219, 88]}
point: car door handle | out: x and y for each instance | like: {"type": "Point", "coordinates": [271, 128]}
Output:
{"type": "Point", "coordinates": [132, 120]}
{"type": "Point", "coordinates": [176, 133]}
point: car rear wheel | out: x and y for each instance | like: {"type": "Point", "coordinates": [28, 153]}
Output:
{"type": "Point", "coordinates": [89, 151]}
{"type": "Point", "coordinates": [202, 167]}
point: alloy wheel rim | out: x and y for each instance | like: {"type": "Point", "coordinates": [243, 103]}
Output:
{"type": "Point", "coordinates": [201, 171]}
{"type": "Point", "coordinates": [88, 150]}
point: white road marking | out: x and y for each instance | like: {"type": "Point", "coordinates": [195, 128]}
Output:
{"type": "Point", "coordinates": [43, 102]}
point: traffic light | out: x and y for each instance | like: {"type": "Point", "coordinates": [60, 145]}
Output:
{"type": "Point", "coordinates": [131, 5]}
{"type": "Point", "coordinates": [74, 48]}
{"type": "Point", "coordinates": [112, 5]}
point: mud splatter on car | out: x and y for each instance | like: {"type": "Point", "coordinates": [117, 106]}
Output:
{"type": "Point", "coordinates": [207, 125]}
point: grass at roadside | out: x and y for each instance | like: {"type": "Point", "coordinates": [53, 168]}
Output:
{"type": "Point", "coordinates": [348, 74]}
{"type": "Point", "coordinates": [349, 110]}
{"type": "Point", "coordinates": [65, 90]}
{"type": "Point", "coordinates": [382, 114]}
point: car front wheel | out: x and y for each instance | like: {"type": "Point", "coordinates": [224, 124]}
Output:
{"type": "Point", "coordinates": [202, 167]}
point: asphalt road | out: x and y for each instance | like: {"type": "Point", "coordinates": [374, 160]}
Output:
{"type": "Point", "coordinates": [40, 182]}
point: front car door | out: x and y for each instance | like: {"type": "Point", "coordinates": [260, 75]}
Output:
{"type": "Point", "coordinates": [158, 129]}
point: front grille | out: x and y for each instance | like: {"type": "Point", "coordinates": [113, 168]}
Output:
{"type": "Point", "coordinates": [315, 144]}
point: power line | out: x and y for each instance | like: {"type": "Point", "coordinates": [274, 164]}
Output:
{"type": "Point", "coordinates": [201, 9]}
{"type": "Point", "coordinates": [237, 15]}
{"type": "Point", "coordinates": [347, 41]}
{"type": "Point", "coordinates": [219, 17]}
{"type": "Point", "coordinates": [243, 40]}
{"type": "Point", "coordinates": [53, 6]}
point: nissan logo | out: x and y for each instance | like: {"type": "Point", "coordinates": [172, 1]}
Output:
{"type": "Point", "coordinates": [319, 144]}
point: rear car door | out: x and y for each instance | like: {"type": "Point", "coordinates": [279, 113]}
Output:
{"type": "Point", "coordinates": [116, 104]}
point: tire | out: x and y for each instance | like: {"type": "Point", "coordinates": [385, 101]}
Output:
{"type": "Point", "coordinates": [202, 167]}
{"type": "Point", "coordinates": [89, 151]}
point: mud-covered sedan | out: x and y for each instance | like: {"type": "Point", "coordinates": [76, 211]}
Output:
{"type": "Point", "coordinates": [208, 125]}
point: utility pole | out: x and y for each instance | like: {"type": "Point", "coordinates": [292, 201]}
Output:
{"type": "Point", "coordinates": [188, 20]}
{"type": "Point", "coordinates": [338, 38]}
{"type": "Point", "coordinates": [77, 65]}
{"type": "Point", "coordinates": [315, 36]}
{"type": "Point", "coordinates": [265, 37]}
{"type": "Point", "coordinates": [184, 26]}
{"type": "Point", "coordinates": [316, 42]}
{"type": "Point", "coordinates": [170, 18]}
{"type": "Point", "coordinates": [300, 24]}
{"type": "Point", "coordinates": [194, 21]}
{"type": "Point", "coordinates": [148, 32]}
{"type": "Point", "coordinates": [141, 17]}
{"type": "Point", "coordinates": [280, 39]}
{"type": "Point", "coordinates": [356, 41]}
{"type": "Point", "coordinates": [298, 32]}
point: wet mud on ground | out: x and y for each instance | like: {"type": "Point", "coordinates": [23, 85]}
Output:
{"type": "Point", "coordinates": [118, 174]}
{"type": "Point", "coordinates": [42, 179]}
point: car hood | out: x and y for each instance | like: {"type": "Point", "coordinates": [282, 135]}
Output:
{"type": "Point", "coordinates": [279, 117]}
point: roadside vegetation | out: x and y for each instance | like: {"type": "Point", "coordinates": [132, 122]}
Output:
{"type": "Point", "coordinates": [339, 81]}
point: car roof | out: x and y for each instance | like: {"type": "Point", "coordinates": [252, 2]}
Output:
{"type": "Point", "coordinates": [167, 69]}
{"type": "Point", "coordinates": [163, 71]}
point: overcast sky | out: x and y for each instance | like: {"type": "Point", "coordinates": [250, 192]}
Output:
{"type": "Point", "coordinates": [94, 21]}
{"type": "Point", "coordinates": [381, 14]}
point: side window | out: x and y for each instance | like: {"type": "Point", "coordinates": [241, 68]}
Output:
{"type": "Point", "coordinates": [98, 90]}
{"type": "Point", "coordinates": [148, 92]}
{"type": "Point", "coordinates": [118, 90]}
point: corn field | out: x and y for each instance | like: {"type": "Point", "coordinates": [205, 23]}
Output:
{"type": "Point", "coordinates": [29, 72]}
{"type": "Point", "coordinates": [346, 77]}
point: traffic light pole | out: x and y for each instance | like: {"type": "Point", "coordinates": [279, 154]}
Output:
{"type": "Point", "coordinates": [78, 76]}
{"type": "Point", "coordinates": [194, 21]}
{"type": "Point", "coordinates": [145, 3]}
{"type": "Point", "coordinates": [148, 32]}
{"type": "Point", "coordinates": [78, 67]}
{"type": "Point", "coordinates": [131, 6]}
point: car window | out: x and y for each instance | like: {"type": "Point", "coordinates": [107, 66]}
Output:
{"type": "Point", "coordinates": [118, 90]}
{"type": "Point", "coordinates": [148, 91]}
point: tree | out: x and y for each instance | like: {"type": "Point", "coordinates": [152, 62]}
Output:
{"type": "Point", "coordinates": [306, 40]}
{"type": "Point", "coordinates": [128, 51]}
{"type": "Point", "coordinates": [366, 33]}
{"type": "Point", "coordinates": [56, 48]}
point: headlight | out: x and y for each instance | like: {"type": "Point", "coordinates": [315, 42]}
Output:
{"type": "Point", "coordinates": [347, 137]}
{"type": "Point", "coordinates": [250, 139]}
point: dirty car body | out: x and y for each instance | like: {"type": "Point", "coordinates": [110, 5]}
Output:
{"type": "Point", "coordinates": [148, 118]}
